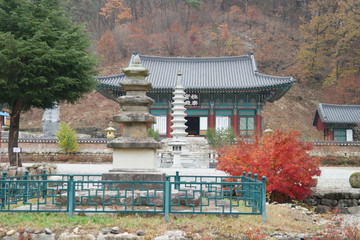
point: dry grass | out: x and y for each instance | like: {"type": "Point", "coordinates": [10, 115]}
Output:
{"type": "Point", "coordinates": [279, 219]}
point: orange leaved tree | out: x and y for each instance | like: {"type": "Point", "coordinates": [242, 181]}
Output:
{"type": "Point", "coordinates": [280, 156]}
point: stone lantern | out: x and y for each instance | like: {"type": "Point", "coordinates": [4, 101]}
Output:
{"type": "Point", "coordinates": [268, 131]}
{"type": "Point", "coordinates": [110, 131]}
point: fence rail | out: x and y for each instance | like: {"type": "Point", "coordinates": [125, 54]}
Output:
{"type": "Point", "coordinates": [178, 194]}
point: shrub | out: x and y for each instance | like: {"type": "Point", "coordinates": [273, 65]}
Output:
{"type": "Point", "coordinates": [154, 134]}
{"type": "Point", "coordinates": [220, 138]}
{"type": "Point", "coordinates": [355, 180]}
{"type": "Point", "coordinates": [67, 138]}
{"type": "Point", "coordinates": [280, 156]}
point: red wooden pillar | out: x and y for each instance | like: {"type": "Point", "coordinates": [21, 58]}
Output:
{"type": "Point", "coordinates": [328, 135]}
{"type": "Point", "coordinates": [168, 124]}
{"type": "Point", "coordinates": [235, 122]}
{"type": "Point", "coordinates": [211, 123]}
{"type": "Point", "coordinates": [258, 125]}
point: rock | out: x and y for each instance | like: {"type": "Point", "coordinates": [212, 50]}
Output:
{"type": "Point", "coordinates": [47, 231]}
{"type": "Point", "coordinates": [72, 236]}
{"type": "Point", "coordinates": [10, 233]}
{"type": "Point", "coordinates": [12, 171]}
{"type": "Point", "coordinates": [172, 235]}
{"type": "Point", "coordinates": [141, 233]}
{"type": "Point", "coordinates": [341, 209]}
{"type": "Point", "coordinates": [21, 171]}
{"type": "Point", "coordinates": [322, 209]}
{"type": "Point", "coordinates": [355, 180]}
{"type": "Point", "coordinates": [354, 210]}
{"type": "Point", "coordinates": [105, 231]}
{"type": "Point", "coordinates": [43, 236]}
{"type": "Point", "coordinates": [28, 230]}
{"type": "Point", "coordinates": [76, 230]}
{"type": "Point", "coordinates": [15, 236]}
{"type": "Point", "coordinates": [4, 167]}
{"type": "Point", "coordinates": [300, 236]}
{"type": "Point", "coordinates": [121, 236]}
{"type": "Point", "coordinates": [115, 230]}
{"type": "Point", "coordinates": [328, 202]}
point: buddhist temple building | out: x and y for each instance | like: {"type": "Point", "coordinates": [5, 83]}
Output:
{"type": "Point", "coordinates": [221, 92]}
{"type": "Point", "coordinates": [337, 121]}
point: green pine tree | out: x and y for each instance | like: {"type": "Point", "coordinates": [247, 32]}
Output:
{"type": "Point", "coordinates": [67, 138]}
{"type": "Point", "coordinates": [44, 59]}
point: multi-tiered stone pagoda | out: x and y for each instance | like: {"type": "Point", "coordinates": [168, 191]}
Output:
{"type": "Point", "coordinates": [134, 153]}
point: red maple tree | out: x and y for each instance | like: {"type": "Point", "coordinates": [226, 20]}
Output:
{"type": "Point", "coordinates": [280, 156]}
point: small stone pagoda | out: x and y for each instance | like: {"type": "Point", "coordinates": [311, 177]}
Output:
{"type": "Point", "coordinates": [178, 142]}
{"type": "Point", "coordinates": [134, 153]}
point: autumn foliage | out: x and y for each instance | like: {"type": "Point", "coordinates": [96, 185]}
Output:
{"type": "Point", "coordinates": [279, 156]}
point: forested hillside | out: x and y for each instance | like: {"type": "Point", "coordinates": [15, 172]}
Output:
{"type": "Point", "coordinates": [316, 41]}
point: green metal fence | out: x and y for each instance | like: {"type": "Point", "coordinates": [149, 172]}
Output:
{"type": "Point", "coordinates": [176, 195]}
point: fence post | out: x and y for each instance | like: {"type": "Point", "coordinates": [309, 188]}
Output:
{"type": "Point", "coordinates": [167, 199]}
{"type": "Point", "coordinates": [177, 179]}
{"type": "Point", "coordinates": [256, 195]}
{"type": "Point", "coordinates": [70, 196]}
{"type": "Point", "coordinates": [44, 183]}
{"type": "Point", "coordinates": [3, 190]}
{"type": "Point", "coordinates": [26, 187]}
{"type": "Point", "coordinates": [263, 198]}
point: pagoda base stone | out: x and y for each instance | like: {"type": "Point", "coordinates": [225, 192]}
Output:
{"type": "Point", "coordinates": [132, 154]}
{"type": "Point", "coordinates": [135, 177]}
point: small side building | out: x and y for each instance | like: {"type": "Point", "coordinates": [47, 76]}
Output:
{"type": "Point", "coordinates": [4, 118]}
{"type": "Point", "coordinates": [337, 121]}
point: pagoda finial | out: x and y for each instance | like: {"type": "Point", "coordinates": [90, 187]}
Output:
{"type": "Point", "coordinates": [179, 79]}
{"type": "Point", "coordinates": [136, 61]}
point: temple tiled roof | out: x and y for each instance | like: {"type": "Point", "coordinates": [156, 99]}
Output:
{"type": "Point", "coordinates": [333, 113]}
{"type": "Point", "coordinates": [239, 72]}
{"type": "Point", "coordinates": [209, 73]}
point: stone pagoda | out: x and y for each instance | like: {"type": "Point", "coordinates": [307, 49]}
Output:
{"type": "Point", "coordinates": [178, 142]}
{"type": "Point", "coordinates": [134, 153]}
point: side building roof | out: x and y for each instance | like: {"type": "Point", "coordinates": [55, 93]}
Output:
{"type": "Point", "coordinates": [335, 113]}
{"type": "Point", "coordinates": [4, 114]}
{"type": "Point", "coordinates": [207, 74]}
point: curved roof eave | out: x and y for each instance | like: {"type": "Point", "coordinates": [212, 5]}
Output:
{"type": "Point", "coordinates": [336, 113]}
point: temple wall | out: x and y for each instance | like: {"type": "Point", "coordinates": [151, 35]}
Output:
{"type": "Point", "coordinates": [100, 146]}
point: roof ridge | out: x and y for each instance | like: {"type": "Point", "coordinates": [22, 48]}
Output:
{"type": "Point", "coordinates": [217, 59]}
{"type": "Point", "coordinates": [272, 76]}
{"type": "Point", "coordinates": [338, 105]}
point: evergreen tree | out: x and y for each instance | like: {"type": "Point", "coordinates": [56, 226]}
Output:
{"type": "Point", "coordinates": [67, 138]}
{"type": "Point", "coordinates": [44, 59]}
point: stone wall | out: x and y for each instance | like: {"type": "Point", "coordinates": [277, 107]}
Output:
{"type": "Point", "coordinates": [331, 149]}
{"type": "Point", "coordinates": [341, 202]}
{"type": "Point", "coordinates": [34, 169]}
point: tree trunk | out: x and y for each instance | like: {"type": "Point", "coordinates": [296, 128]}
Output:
{"type": "Point", "coordinates": [14, 133]}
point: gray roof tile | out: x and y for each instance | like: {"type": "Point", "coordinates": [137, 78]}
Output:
{"type": "Point", "coordinates": [333, 113]}
{"type": "Point", "coordinates": [238, 72]}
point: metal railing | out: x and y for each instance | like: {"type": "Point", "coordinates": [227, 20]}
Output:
{"type": "Point", "coordinates": [240, 195]}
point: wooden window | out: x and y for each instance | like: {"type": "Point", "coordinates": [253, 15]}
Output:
{"type": "Point", "coordinates": [339, 134]}
{"type": "Point", "coordinates": [160, 124]}
{"type": "Point", "coordinates": [247, 126]}
{"type": "Point", "coordinates": [223, 122]}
